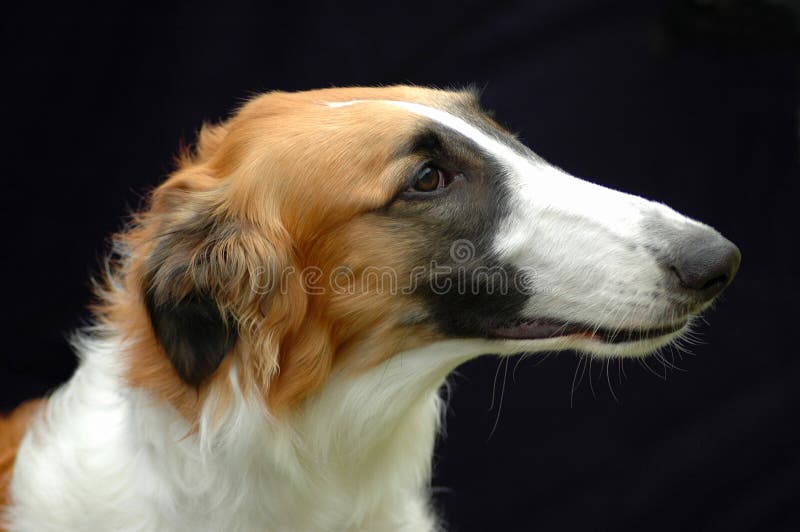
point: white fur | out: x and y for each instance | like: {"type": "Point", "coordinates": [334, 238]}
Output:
{"type": "Point", "coordinates": [585, 245]}
{"type": "Point", "coordinates": [356, 456]}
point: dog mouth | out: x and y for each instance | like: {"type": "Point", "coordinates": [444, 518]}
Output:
{"type": "Point", "coordinates": [543, 328]}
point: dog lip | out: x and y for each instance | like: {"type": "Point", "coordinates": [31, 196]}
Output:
{"type": "Point", "coordinates": [543, 328]}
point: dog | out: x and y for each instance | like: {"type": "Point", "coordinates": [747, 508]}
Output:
{"type": "Point", "coordinates": [272, 330]}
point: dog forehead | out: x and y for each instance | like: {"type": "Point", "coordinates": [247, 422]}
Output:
{"type": "Point", "coordinates": [458, 113]}
{"type": "Point", "coordinates": [449, 109]}
{"type": "Point", "coordinates": [422, 95]}
{"type": "Point", "coordinates": [308, 102]}
{"type": "Point", "coordinates": [361, 121]}
{"type": "Point", "coordinates": [357, 140]}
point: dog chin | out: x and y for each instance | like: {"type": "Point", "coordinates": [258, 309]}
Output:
{"type": "Point", "coordinates": [630, 349]}
{"type": "Point", "coordinates": [610, 344]}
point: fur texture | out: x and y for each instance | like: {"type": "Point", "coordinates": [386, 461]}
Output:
{"type": "Point", "coordinates": [274, 327]}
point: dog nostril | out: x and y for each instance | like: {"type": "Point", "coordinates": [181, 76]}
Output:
{"type": "Point", "coordinates": [704, 263]}
{"type": "Point", "coordinates": [720, 281]}
{"type": "Point", "coordinates": [690, 283]}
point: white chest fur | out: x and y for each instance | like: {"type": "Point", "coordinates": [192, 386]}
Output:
{"type": "Point", "coordinates": [355, 457]}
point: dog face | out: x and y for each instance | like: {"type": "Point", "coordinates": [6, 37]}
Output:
{"type": "Point", "coordinates": [340, 227]}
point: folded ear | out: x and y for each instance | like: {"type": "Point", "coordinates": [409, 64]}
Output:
{"type": "Point", "coordinates": [194, 333]}
{"type": "Point", "coordinates": [197, 272]}
{"type": "Point", "coordinates": [207, 259]}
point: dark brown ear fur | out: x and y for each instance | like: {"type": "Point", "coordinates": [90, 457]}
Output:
{"type": "Point", "coordinates": [193, 332]}
{"type": "Point", "coordinates": [208, 258]}
{"type": "Point", "coordinates": [181, 290]}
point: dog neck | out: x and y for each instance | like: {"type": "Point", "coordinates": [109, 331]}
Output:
{"type": "Point", "coordinates": [362, 445]}
{"type": "Point", "coordinates": [357, 455]}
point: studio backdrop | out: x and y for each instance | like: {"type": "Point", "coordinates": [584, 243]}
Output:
{"type": "Point", "coordinates": [694, 104]}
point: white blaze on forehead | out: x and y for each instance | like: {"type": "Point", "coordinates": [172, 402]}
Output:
{"type": "Point", "coordinates": [535, 183]}
{"type": "Point", "coordinates": [452, 122]}
{"type": "Point", "coordinates": [587, 244]}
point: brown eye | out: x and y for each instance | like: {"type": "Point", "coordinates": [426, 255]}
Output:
{"type": "Point", "coordinates": [429, 179]}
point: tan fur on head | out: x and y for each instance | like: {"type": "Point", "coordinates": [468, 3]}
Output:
{"type": "Point", "coordinates": [275, 189]}
{"type": "Point", "coordinates": [315, 406]}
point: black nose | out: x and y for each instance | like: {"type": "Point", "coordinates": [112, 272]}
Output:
{"type": "Point", "coordinates": [704, 262]}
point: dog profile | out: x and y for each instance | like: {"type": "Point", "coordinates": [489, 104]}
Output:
{"type": "Point", "coordinates": [274, 327]}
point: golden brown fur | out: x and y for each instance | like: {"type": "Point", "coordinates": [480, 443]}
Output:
{"type": "Point", "coordinates": [281, 186]}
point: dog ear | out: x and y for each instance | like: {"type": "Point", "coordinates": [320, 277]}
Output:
{"type": "Point", "coordinates": [195, 270]}
{"type": "Point", "coordinates": [217, 274]}
{"type": "Point", "coordinates": [194, 333]}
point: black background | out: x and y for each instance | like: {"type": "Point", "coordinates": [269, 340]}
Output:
{"type": "Point", "coordinates": [693, 104]}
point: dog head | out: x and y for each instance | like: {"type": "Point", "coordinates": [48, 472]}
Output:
{"type": "Point", "coordinates": [340, 227]}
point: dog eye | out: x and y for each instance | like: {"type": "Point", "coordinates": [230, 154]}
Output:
{"type": "Point", "coordinates": [430, 179]}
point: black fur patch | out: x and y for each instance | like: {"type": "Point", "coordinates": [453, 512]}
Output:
{"type": "Point", "coordinates": [194, 334]}
{"type": "Point", "coordinates": [461, 299]}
